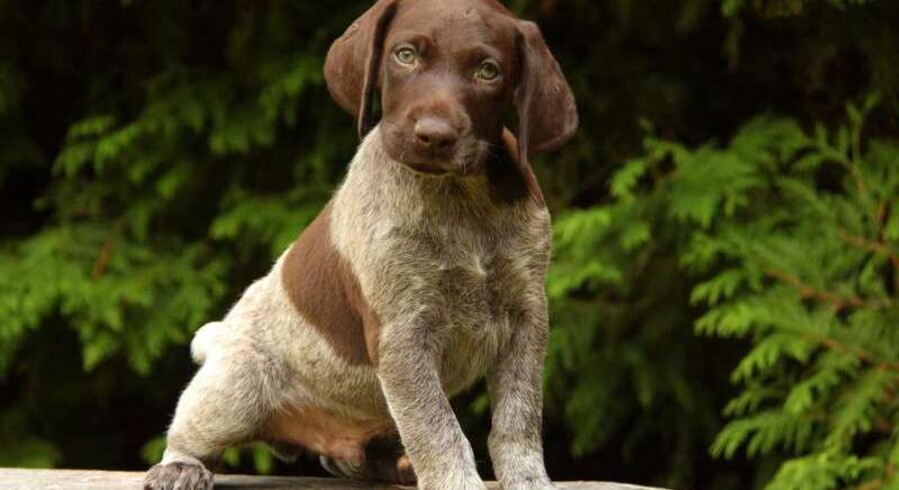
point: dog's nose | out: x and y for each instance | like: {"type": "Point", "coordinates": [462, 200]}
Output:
{"type": "Point", "coordinates": [436, 134]}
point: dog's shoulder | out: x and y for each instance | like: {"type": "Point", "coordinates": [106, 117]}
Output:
{"type": "Point", "coordinates": [323, 289]}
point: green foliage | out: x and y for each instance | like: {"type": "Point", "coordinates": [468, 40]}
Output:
{"type": "Point", "coordinates": [791, 238]}
{"type": "Point", "coordinates": [103, 284]}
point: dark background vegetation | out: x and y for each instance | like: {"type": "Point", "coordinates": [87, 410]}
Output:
{"type": "Point", "coordinates": [156, 156]}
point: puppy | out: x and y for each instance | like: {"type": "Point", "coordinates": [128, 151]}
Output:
{"type": "Point", "coordinates": [423, 273]}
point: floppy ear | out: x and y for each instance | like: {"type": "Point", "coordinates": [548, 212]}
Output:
{"type": "Point", "coordinates": [354, 60]}
{"type": "Point", "coordinates": [547, 115]}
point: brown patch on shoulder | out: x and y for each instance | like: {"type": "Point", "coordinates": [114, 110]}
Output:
{"type": "Point", "coordinates": [507, 184]}
{"type": "Point", "coordinates": [323, 288]}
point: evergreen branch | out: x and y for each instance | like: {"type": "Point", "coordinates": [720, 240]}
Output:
{"type": "Point", "coordinates": [838, 304]}
{"type": "Point", "coordinates": [853, 170]}
{"type": "Point", "coordinates": [106, 251]}
{"type": "Point", "coordinates": [879, 483]}
{"type": "Point", "coordinates": [103, 258]}
{"type": "Point", "coordinates": [858, 353]}
{"type": "Point", "coordinates": [883, 212]}
{"type": "Point", "coordinates": [871, 485]}
{"type": "Point", "coordinates": [877, 247]}
{"type": "Point", "coordinates": [859, 181]}
{"type": "Point", "coordinates": [807, 291]}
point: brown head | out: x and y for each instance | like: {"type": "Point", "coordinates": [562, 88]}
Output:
{"type": "Point", "coordinates": [448, 74]}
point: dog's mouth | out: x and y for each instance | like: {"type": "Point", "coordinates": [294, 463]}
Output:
{"type": "Point", "coordinates": [462, 165]}
{"type": "Point", "coordinates": [426, 169]}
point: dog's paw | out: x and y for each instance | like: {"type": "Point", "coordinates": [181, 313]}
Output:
{"type": "Point", "coordinates": [180, 476]}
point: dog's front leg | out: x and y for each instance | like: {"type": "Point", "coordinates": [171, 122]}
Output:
{"type": "Point", "coordinates": [408, 368]}
{"type": "Point", "coordinates": [516, 395]}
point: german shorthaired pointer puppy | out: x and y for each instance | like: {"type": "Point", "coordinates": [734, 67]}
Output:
{"type": "Point", "coordinates": [423, 273]}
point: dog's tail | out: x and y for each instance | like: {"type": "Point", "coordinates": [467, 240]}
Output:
{"type": "Point", "coordinates": [204, 340]}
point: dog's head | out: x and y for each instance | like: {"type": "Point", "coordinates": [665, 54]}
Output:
{"type": "Point", "coordinates": [447, 74]}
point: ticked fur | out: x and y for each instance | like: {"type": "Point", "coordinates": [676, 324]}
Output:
{"type": "Point", "coordinates": [454, 272]}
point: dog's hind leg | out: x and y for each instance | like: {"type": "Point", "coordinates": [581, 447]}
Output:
{"type": "Point", "coordinates": [225, 404]}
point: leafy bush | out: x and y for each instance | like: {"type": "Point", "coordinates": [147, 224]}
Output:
{"type": "Point", "coordinates": [794, 241]}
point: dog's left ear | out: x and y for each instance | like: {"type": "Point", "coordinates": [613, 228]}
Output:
{"type": "Point", "coordinates": [547, 114]}
{"type": "Point", "coordinates": [354, 60]}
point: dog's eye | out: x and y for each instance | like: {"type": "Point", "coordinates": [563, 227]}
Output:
{"type": "Point", "coordinates": [405, 55]}
{"type": "Point", "coordinates": [488, 71]}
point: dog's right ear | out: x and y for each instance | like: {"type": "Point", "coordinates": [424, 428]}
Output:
{"type": "Point", "coordinates": [354, 61]}
{"type": "Point", "coordinates": [547, 113]}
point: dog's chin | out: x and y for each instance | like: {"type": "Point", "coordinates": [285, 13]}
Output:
{"type": "Point", "coordinates": [427, 168]}
{"type": "Point", "coordinates": [463, 164]}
